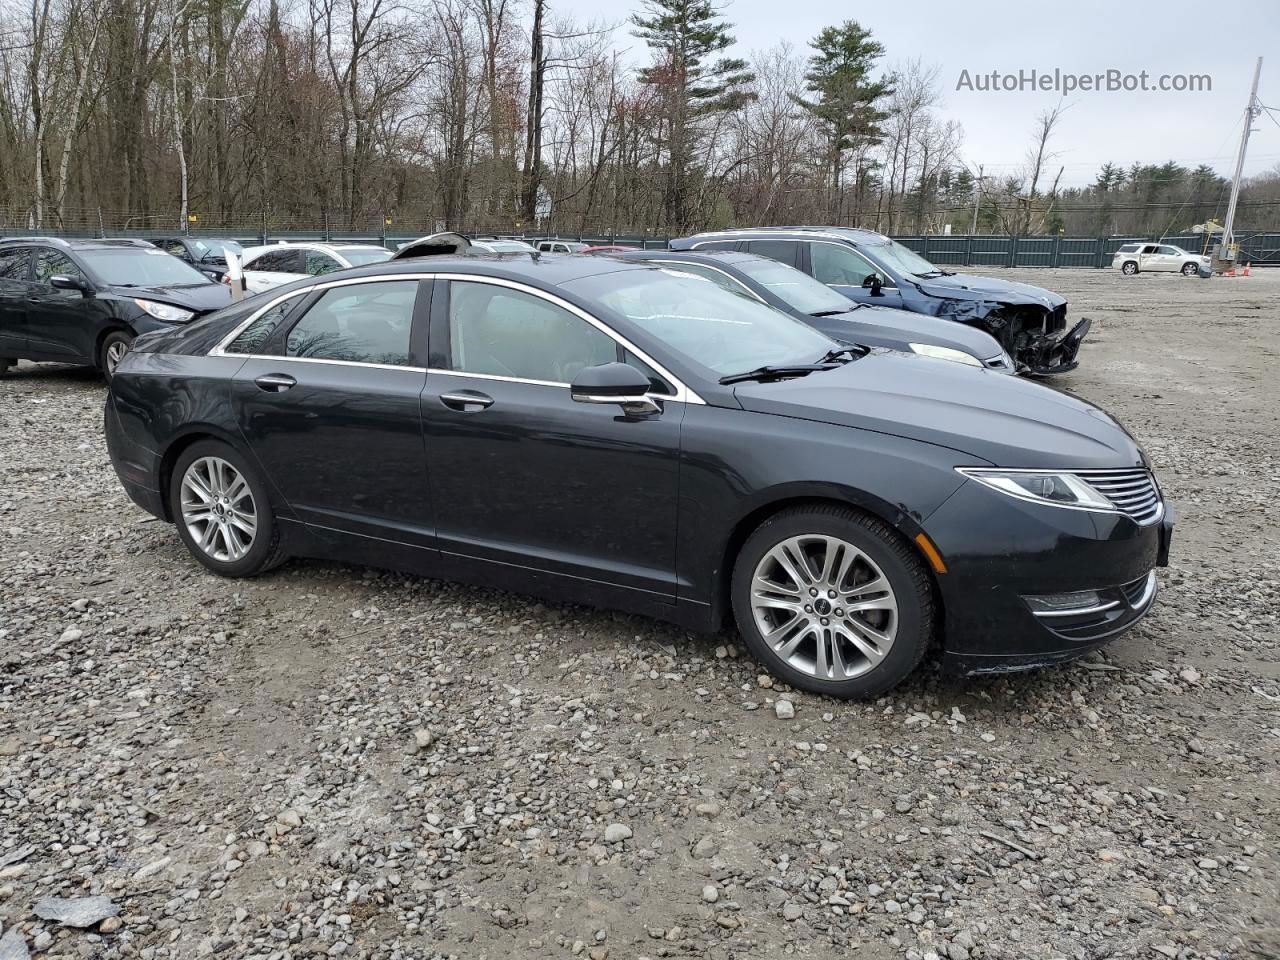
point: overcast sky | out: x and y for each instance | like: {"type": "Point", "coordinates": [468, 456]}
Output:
{"type": "Point", "coordinates": [1079, 36]}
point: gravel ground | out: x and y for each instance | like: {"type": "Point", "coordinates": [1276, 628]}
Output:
{"type": "Point", "coordinates": [347, 762]}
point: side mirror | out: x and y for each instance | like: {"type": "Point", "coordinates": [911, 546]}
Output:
{"type": "Point", "coordinates": [61, 281]}
{"type": "Point", "coordinates": [618, 383]}
{"type": "Point", "coordinates": [873, 281]}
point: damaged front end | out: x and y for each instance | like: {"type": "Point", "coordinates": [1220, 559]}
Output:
{"type": "Point", "coordinates": [1034, 335]}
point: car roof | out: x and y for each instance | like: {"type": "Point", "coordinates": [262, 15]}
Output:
{"type": "Point", "coordinates": [91, 243]}
{"type": "Point", "coordinates": [726, 257]}
{"type": "Point", "coordinates": [852, 234]}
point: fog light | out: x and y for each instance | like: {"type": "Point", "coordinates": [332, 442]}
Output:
{"type": "Point", "coordinates": [1067, 604]}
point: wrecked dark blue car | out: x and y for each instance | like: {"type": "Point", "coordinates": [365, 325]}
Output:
{"type": "Point", "coordinates": [867, 267]}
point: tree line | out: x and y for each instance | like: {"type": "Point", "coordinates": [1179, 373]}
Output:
{"type": "Point", "coordinates": [501, 115]}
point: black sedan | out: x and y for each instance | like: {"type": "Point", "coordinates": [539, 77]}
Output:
{"type": "Point", "coordinates": [612, 433]}
{"type": "Point", "coordinates": [815, 303]}
{"type": "Point", "coordinates": [84, 301]}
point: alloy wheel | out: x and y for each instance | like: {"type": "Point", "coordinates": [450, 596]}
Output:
{"type": "Point", "coordinates": [824, 607]}
{"type": "Point", "coordinates": [218, 509]}
{"type": "Point", "coordinates": [116, 350]}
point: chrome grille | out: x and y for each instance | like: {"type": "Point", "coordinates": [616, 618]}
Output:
{"type": "Point", "coordinates": [1133, 491]}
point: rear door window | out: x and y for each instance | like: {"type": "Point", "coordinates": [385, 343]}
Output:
{"type": "Point", "coordinates": [319, 263]}
{"type": "Point", "coordinates": [357, 323]}
{"type": "Point", "coordinates": [278, 261]}
{"type": "Point", "coordinates": [784, 251]}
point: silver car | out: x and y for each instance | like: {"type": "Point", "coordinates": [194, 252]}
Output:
{"type": "Point", "coordinates": [1157, 258]}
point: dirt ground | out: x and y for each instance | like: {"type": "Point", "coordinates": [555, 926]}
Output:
{"type": "Point", "coordinates": [332, 761]}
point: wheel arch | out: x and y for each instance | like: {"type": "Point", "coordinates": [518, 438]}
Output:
{"type": "Point", "coordinates": [187, 437]}
{"type": "Point", "coordinates": [906, 527]}
{"type": "Point", "coordinates": [112, 326]}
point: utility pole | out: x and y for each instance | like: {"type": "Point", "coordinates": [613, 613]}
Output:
{"type": "Point", "coordinates": [1251, 111]}
{"type": "Point", "coordinates": [977, 199]}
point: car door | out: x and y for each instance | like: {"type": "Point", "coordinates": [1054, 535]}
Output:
{"type": "Point", "coordinates": [60, 323]}
{"type": "Point", "coordinates": [273, 268]}
{"type": "Point", "coordinates": [842, 268]}
{"type": "Point", "coordinates": [15, 287]}
{"type": "Point", "coordinates": [1149, 257]}
{"type": "Point", "coordinates": [524, 477]}
{"type": "Point", "coordinates": [1171, 258]}
{"type": "Point", "coordinates": [328, 401]}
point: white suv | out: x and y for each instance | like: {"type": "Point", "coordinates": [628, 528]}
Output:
{"type": "Point", "coordinates": [270, 266]}
{"type": "Point", "coordinates": [1161, 257]}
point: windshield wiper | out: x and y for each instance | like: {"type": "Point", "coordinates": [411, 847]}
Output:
{"type": "Point", "coordinates": [831, 313]}
{"type": "Point", "coordinates": [831, 356]}
{"type": "Point", "coordinates": [776, 372]}
{"type": "Point", "coordinates": [929, 274]}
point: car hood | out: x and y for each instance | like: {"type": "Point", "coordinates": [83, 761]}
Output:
{"type": "Point", "coordinates": [966, 286]}
{"type": "Point", "coordinates": [906, 327]}
{"type": "Point", "coordinates": [1006, 421]}
{"type": "Point", "coordinates": [198, 297]}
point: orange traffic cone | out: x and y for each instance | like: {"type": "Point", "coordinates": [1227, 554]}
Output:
{"type": "Point", "coordinates": [1246, 269]}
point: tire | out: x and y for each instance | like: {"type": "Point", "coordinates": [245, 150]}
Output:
{"type": "Point", "coordinates": [1129, 268]}
{"type": "Point", "coordinates": [1190, 269]}
{"type": "Point", "coordinates": [7, 364]}
{"type": "Point", "coordinates": [240, 537]}
{"type": "Point", "coordinates": [111, 351]}
{"type": "Point", "coordinates": [784, 624]}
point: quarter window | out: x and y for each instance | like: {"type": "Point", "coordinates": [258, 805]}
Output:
{"type": "Point", "coordinates": [501, 332]}
{"type": "Point", "coordinates": [836, 264]}
{"type": "Point", "coordinates": [357, 323]}
{"type": "Point", "coordinates": [277, 261]}
{"type": "Point", "coordinates": [253, 338]}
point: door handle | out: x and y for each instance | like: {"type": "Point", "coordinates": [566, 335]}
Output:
{"type": "Point", "coordinates": [275, 382]}
{"type": "Point", "coordinates": [468, 401]}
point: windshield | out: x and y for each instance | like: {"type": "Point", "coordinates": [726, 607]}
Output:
{"type": "Point", "coordinates": [798, 289]}
{"type": "Point", "coordinates": [359, 256]}
{"type": "Point", "coordinates": [897, 257]}
{"type": "Point", "coordinates": [703, 322]}
{"type": "Point", "coordinates": [135, 267]}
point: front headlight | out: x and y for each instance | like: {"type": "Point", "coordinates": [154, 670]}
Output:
{"type": "Point", "coordinates": [164, 311]}
{"type": "Point", "coordinates": [944, 353]}
{"type": "Point", "coordinates": [1051, 487]}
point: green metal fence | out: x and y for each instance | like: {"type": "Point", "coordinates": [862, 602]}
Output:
{"type": "Point", "coordinates": [1263, 249]}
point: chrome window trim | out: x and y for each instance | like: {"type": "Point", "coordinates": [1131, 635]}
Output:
{"type": "Point", "coordinates": [683, 394]}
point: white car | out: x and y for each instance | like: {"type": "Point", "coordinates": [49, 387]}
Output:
{"type": "Point", "coordinates": [502, 246]}
{"type": "Point", "coordinates": [277, 263]}
{"type": "Point", "coordinates": [1157, 257]}
{"type": "Point", "coordinates": [561, 246]}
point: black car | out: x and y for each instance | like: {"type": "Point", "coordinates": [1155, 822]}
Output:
{"type": "Point", "coordinates": [822, 308]}
{"type": "Point", "coordinates": [607, 432]}
{"type": "Point", "coordinates": [867, 267]}
{"type": "Point", "coordinates": [84, 301]}
{"type": "Point", "coordinates": [208, 255]}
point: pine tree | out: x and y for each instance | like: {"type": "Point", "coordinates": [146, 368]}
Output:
{"type": "Point", "coordinates": [685, 37]}
{"type": "Point", "coordinates": [845, 95]}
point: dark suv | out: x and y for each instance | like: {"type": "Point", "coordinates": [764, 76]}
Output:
{"type": "Point", "coordinates": [867, 267]}
{"type": "Point", "coordinates": [209, 256]}
{"type": "Point", "coordinates": [83, 301]}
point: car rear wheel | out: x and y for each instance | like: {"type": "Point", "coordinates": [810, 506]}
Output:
{"type": "Point", "coordinates": [222, 511]}
{"type": "Point", "coordinates": [113, 349]}
{"type": "Point", "coordinates": [1129, 268]}
{"type": "Point", "coordinates": [1190, 269]}
{"type": "Point", "coordinates": [833, 601]}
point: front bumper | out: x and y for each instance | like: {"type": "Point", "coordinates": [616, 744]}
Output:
{"type": "Point", "coordinates": [1045, 357]}
{"type": "Point", "coordinates": [1000, 551]}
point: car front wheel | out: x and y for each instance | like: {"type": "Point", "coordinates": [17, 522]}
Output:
{"type": "Point", "coordinates": [222, 511]}
{"type": "Point", "coordinates": [833, 601]}
{"type": "Point", "coordinates": [1190, 269]}
{"type": "Point", "coordinates": [1129, 268]}
{"type": "Point", "coordinates": [114, 346]}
